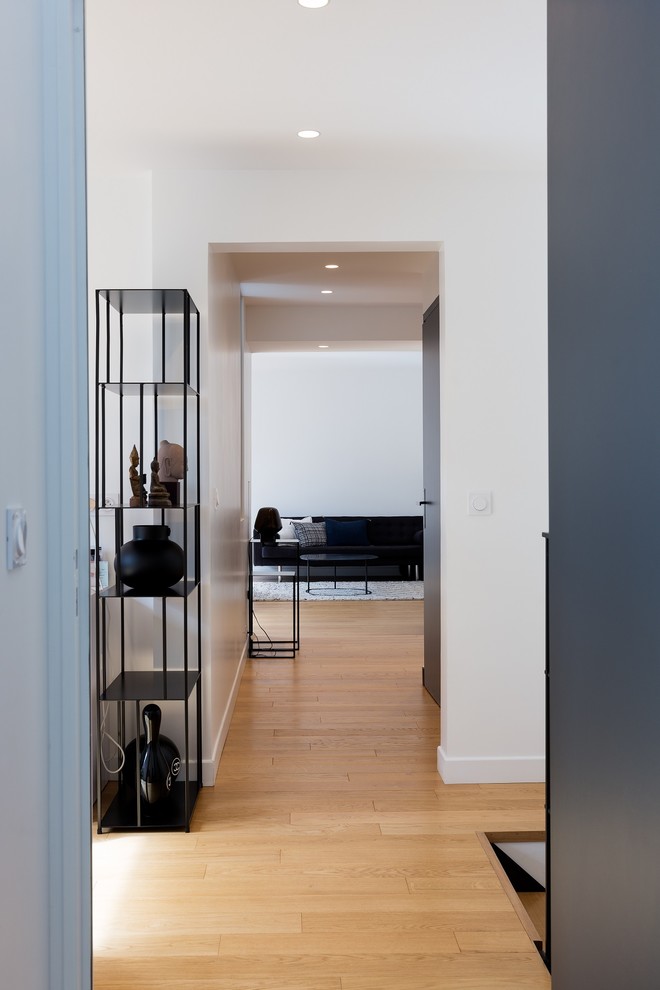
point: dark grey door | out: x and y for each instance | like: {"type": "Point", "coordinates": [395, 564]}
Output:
{"type": "Point", "coordinates": [431, 500]}
{"type": "Point", "coordinates": [604, 352]}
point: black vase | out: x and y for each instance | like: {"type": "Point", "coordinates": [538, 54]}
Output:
{"type": "Point", "coordinates": [160, 761]}
{"type": "Point", "coordinates": [150, 562]}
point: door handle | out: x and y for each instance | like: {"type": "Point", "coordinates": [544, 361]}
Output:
{"type": "Point", "coordinates": [425, 503]}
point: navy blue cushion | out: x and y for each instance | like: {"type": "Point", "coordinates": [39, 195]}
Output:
{"type": "Point", "coordinates": [346, 534]}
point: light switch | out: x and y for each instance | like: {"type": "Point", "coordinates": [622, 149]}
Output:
{"type": "Point", "coordinates": [480, 503]}
{"type": "Point", "coordinates": [16, 537]}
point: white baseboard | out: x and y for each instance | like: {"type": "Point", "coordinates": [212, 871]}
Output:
{"type": "Point", "coordinates": [490, 769]}
{"type": "Point", "coordinates": [211, 763]}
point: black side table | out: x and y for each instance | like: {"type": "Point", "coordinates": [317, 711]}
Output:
{"type": "Point", "coordinates": [282, 648]}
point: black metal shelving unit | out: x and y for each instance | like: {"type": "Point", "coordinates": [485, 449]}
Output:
{"type": "Point", "coordinates": [150, 334]}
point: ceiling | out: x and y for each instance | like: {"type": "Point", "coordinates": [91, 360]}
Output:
{"type": "Point", "coordinates": [226, 84]}
{"type": "Point", "coordinates": [395, 278]}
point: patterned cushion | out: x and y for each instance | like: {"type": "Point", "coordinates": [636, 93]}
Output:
{"type": "Point", "coordinates": [310, 534]}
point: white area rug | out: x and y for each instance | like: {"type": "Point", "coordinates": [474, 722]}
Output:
{"type": "Point", "coordinates": [271, 591]}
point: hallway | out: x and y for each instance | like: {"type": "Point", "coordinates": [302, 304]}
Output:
{"type": "Point", "coordinates": [329, 855]}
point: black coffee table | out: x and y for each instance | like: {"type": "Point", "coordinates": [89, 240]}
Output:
{"type": "Point", "coordinates": [336, 560]}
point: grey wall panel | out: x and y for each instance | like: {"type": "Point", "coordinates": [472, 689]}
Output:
{"type": "Point", "coordinates": [604, 310]}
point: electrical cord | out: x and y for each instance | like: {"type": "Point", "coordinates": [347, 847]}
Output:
{"type": "Point", "coordinates": [103, 732]}
{"type": "Point", "coordinates": [105, 705]}
{"type": "Point", "coordinates": [256, 640]}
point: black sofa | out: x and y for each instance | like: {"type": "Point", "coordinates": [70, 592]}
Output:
{"type": "Point", "coordinates": [397, 542]}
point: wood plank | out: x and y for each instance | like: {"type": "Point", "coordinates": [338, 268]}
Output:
{"type": "Point", "coordinates": [510, 891]}
{"type": "Point", "coordinates": [332, 944]}
{"type": "Point", "coordinates": [389, 966]}
{"type": "Point", "coordinates": [534, 904]}
{"type": "Point", "coordinates": [154, 944]}
{"type": "Point", "coordinates": [125, 979]}
{"type": "Point", "coordinates": [408, 920]}
{"type": "Point", "coordinates": [493, 941]}
{"type": "Point", "coordinates": [189, 919]}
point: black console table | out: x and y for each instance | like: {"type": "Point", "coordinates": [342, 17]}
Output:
{"type": "Point", "coordinates": [267, 647]}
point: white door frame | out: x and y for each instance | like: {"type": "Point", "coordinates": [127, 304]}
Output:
{"type": "Point", "coordinates": [66, 467]}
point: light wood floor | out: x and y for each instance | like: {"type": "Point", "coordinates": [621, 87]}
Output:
{"type": "Point", "coordinates": [329, 855]}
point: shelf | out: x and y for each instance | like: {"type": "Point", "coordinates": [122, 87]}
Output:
{"type": "Point", "coordinates": [151, 685]}
{"type": "Point", "coordinates": [181, 590]}
{"type": "Point", "coordinates": [149, 389]}
{"type": "Point", "coordinates": [149, 508]}
{"type": "Point", "coordinates": [149, 301]}
{"type": "Point", "coordinates": [122, 813]}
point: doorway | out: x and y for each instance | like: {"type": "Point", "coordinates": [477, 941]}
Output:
{"type": "Point", "coordinates": [326, 364]}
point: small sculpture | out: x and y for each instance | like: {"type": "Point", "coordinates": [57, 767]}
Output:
{"type": "Point", "coordinates": [173, 466]}
{"type": "Point", "coordinates": [160, 760]}
{"type": "Point", "coordinates": [171, 460]}
{"type": "Point", "coordinates": [139, 497]}
{"type": "Point", "coordinates": [160, 764]}
{"type": "Point", "coordinates": [158, 494]}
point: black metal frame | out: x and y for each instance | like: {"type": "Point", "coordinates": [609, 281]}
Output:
{"type": "Point", "coordinates": [125, 686]}
{"type": "Point", "coordinates": [276, 648]}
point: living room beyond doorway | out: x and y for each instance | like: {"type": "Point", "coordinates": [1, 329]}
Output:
{"type": "Point", "coordinates": [336, 434]}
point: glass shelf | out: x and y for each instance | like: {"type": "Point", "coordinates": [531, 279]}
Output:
{"type": "Point", "coordinates": [150, 389]}
{"type": "Point", "coordinates": [152, 685]}
{"type": "Point", "coordinates": [147, 508]}
{"type": "Point", "coordinates": [149, 301]}
{"type": "Point", "coordinates": [181, 590]}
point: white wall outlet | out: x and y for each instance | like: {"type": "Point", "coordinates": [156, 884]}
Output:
{"type": "Point", "coordinates": [16, 537]}
{"type": "Point", "coordinates": [110, 503]}
{"type": "Point", "coordinates": [480, 503]}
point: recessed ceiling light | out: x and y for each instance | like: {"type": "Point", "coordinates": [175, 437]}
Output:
{"type": "Point", "coordinates": [308, 134]}
{"type": "Point", "coordinates": [332, 266]}
{"type": "Point", "coordinates": [313, 3]}
{"type": "Point", "coordinates": [324, 347]}
{"type": "Point", "coordinates": [326, 292]}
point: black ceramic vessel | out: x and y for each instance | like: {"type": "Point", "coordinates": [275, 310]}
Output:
{"type": "Point", "coordinates": [150, 562]}
{"type": "Point", "coordinates": [160, 761]}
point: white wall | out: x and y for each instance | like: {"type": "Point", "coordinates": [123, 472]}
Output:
{"type": "Point", "coordinates": [118, 256]}
{"type": "Point", "coordinates": [493, 402]}
{"type": "Point", "coordinates": [224, 557]}
{"type": "Point", "coordinates": [337, 433]}
{"type": "Point", "coordinates": [119, 240]}
{"type": "Point", "coordinates": [296, 327]}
